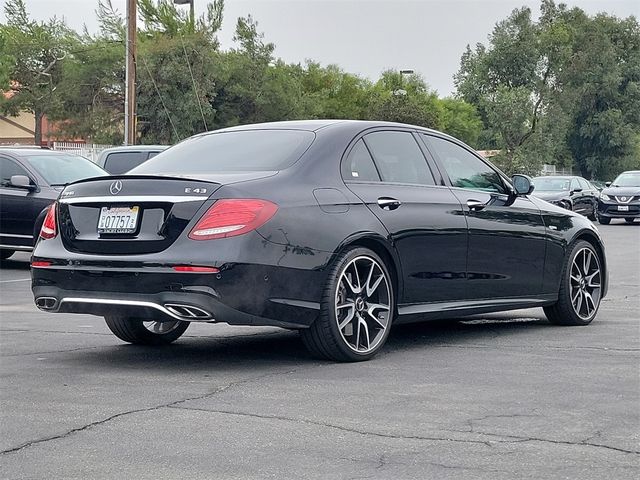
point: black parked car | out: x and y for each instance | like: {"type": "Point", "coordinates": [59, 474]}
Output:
{"type": "Point", "coordinates": [573, 193]}
{"type": "Point", "coordinates": [620, 198]}
{"type": "Point", "coordinates": [119, 160]}
{"type": "Point", "coordinates": [30, 180]}
{"type": "Point", "coordinates": [336, 228]}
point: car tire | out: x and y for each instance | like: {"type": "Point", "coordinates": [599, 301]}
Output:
{"type": "Point", "coordinates": [580, 287]}
{"type": "Point", "coordinates": [144, 332]}
{"type": "Point", "coordinates": [357, 309]}
{"type": "Point", "coordinates": [629, 220]}
{"type": "Point", "coordinates": [4, 254]}
{"type": "Point", "coordinates": [592, 216]}
{"type": "Point", "coordinates": [604, 220]}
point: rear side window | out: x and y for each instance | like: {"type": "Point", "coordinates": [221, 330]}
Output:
{"type": "Point", "coordinates": [118, 163]}
{"type": "Point", "coordinates": [359, 165]}
{"type": "Point", "coordinates": [236, 151]}
{"type": "Point", "coordinates": [399, 158]}
{"type": "Point", "coordinates": [465, 170]}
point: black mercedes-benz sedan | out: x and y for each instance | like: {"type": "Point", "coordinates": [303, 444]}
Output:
{"type": "Point", "coordinates": [30, 180]}
{"type": "Point", "coordinates": [571, 192]}
{"type": "Point", "coordinates": [339, 229]}
{"type": "Point", "coordinates": [620, 198]}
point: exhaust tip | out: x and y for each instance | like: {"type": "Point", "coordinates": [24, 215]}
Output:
{"type": "Point", "coordinates": [46, 303]}
{"type": "Point", "coordinates": [188, 312]}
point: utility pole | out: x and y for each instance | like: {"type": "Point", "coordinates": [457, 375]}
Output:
{"type": "Point", "coordinates": [130, 74]}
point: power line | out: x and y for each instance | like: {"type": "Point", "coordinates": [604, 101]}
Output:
{"type": "Point", "coordinates": [160, 97]}
{"type": "Point", "coordinates": [193, 80]}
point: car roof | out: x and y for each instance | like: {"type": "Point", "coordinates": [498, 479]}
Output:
{"type": "Point", "coordinates": [316, 125]}
{"type": "Point", "coordinates": [134, 148]}
{"type": "Point", "coordinates": [22, 151]}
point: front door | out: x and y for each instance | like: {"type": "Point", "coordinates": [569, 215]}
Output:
{"type": "Point", "coordinates": [16, 207]}
{"type": "Point", "coordinates": [507, 235]}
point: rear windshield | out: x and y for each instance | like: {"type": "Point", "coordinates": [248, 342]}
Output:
{"type": "Point", "coordinates": [241, 151]}
{"type": "Point", "coordinates": [60, 169]}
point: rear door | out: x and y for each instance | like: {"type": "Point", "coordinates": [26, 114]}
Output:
{"type": "Point", "coordinates": [506, 235]}
{"type": "Point", "coordinates": [389, 172]}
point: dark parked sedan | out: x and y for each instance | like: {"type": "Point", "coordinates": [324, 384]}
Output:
{"type": "Point", "coordinates": [30, 180]}
{"type": "Point", "coordinates": [336, 228]}
{"type": "Point", "coordinates": [620, 198]}
{"type": "Point", "coordinates": [119, 160]}
{"type": "Point", "coordinates": [573, 193]}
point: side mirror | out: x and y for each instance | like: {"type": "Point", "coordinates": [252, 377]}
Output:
{"type": "Point", "coordinates": [576, 190]}
{"type": "Point", "coordinates": [607, 184]}
{"type": "Point", "coordinates": [21, 181]}
{"type": "Point", "coordinates": [522, 184]}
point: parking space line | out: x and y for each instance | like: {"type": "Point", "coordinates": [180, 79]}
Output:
{"type": "Point", "coordinates": [19, 280]}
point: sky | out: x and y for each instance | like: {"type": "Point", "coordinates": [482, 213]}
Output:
{"type": "Point", "coordinates": [364, 37]}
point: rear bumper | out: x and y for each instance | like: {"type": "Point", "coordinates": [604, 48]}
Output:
{"type": "Point", "coordinates": [191, 306]}
{"type": "Point", "coordinates": [164, 306]}
{"type": "Point", "coordinates": [238, 295]}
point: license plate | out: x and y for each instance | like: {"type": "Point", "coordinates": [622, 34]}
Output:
{"type": "Point", "coordinates": [623, 208]}
{"type": "Point", "coordinates": [118, 219]}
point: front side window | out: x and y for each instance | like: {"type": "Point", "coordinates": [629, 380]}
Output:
{"type": "Point", "coordinates": [9, 168]}
{"type": "Point", "coordinates": [465, 170]}
{"type": "Point", "coordinates": [584, 184]}
{"type": "Point", "coordinates": [399, 158]}
{"type": "Point", "coordinates": [359, 166]}
{"type": "Point", "coordinates": [575, 185]}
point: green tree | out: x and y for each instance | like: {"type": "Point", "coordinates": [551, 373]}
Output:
{"type": "Point", "coordinates": [461, 120]}
{"type": "Point", "coordinates": [603, 82]}
{"type": "Point", "coordinates": [329, 92]}
{"type": "Point", "coordinates": [396, 99]}
{"type": "Point", "coordinates": [38, 51]}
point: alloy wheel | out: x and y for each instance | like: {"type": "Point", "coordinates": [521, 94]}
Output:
{"type": "Point", "coordinates": [161, 328]}
{"type": "Point", "coordinates": [363, 304]}
{"type": "Point", "coordinates": [585, 283]}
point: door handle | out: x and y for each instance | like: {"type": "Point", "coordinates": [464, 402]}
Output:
{"type": "Point", "coordinates": [475, 205]}
{"type": "Point", "coordinates": [388, 203]}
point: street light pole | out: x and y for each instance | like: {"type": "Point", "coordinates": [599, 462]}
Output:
{"type": "Point", "coordinates": [404, 72]}
{"type": "Point", "coordinates": [192, 13]}
{"type": "Point", "coordinates": [130, 76]}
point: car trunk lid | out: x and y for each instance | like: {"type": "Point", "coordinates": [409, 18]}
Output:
{"type": "Point", "coordinates": [129, 214]}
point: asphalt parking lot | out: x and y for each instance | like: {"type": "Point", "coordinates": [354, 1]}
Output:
{"type": "Point", "coordinates": [500, 396]}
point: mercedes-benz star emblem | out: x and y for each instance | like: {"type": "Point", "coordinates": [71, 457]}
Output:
{"type": "Point", "coordinates": [115, 187]}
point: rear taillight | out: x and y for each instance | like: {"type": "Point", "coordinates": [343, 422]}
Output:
{"type": "Point", "coordinates": [49, 229]}
{"type": "Point", "coordinates": [231, 217]}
